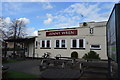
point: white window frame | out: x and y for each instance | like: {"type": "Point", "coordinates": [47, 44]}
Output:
{"type": "Point", "coordinates": [91, 30]}
{"type": "Point", "coordinates": [55, 43]}
{"type": "Point", "coordinates": [95, 48]}
{"type": "Point", "coordinates": [41, 44]}
{"type": "Point", "coordinates": [60, 43]}
{"type": "Point", "coordinates": [45, 43]}
{"type": "Point", "coordinates": [77, 44]}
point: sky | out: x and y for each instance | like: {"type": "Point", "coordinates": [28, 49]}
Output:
{"type": "Point", "coordinates": [55, 15]}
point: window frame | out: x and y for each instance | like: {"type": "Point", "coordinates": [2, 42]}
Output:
{"type": "Point", "coordinates": [93, 48]}
{"type": "Point", "coordinates": [91, 30]}
{"type": "Point", "coordinates": [60, 44]}
{"type": "Point", "coordinates": [74, 46]}
{"type": "Point", "coordinates": [80, 44]}
{"type": "Point", "coordinates": [77, 43]}
{"type": "Point", "coordinates": [56, 43]}
{"type": "Point", "coordinates": [45, 44]}
{"type": "Point", "coordinates": [63, 43]}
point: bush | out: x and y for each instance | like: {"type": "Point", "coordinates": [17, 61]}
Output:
{"type": "Point", "coordinates": [74, 54]}
{"type": "Point", "coordinates": [91, 55]}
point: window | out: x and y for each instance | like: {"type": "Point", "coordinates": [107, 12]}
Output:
{"type": "Point", "coordinates": [60, 43]}
{"type": "Point", "coordinates": [78, 43]}
{"type": "Point", "coordinates": [91, 30]}
{"type": "Point", "coordinates": [48, 43]}
{"type": "Point", "coordinates": [57, 43]}
{"type": "Point", "coordinates": [74, 43]}
{"type": "Point", "coordinates": [45, 44]}
{"type": "Point", "coordinates": [63, 43]}
{"type": "Point", "coordinates": [81, 43]}
{"type": "Point", "coordinates": [95, 47]}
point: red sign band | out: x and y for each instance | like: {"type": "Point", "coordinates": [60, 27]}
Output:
{"type": "Point", "coordinates": [61, 33]}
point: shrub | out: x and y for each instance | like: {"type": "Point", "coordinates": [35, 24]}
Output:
{"type": "Point", "coordinates": [91, 55]}
{"type": "Point", "coordinates": [74, 54]}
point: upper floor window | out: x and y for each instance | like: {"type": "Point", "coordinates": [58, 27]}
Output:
{"type": "Point", "coordinates": [60, 43]}
{"type": "Point", "coordinates": [91, 30]}
{"type": "Point", "coordinates": [77, 43]}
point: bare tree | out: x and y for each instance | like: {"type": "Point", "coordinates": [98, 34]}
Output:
{"type": "Point", "coordinates": [14, 29]}
{"type": "Point", "coordinates": [3, 28]}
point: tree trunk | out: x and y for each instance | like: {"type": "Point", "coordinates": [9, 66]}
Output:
{"type": "Point", "coordinates": [5, 50]}
{"type": "Point", "coordinates": [14, 55]}
{"type": "Point", "coordinates": [14, 50]}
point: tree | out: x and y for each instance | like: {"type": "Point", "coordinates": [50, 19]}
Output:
{"type": "Point", "coordinates": [91, 55]}
{"type": "Point", "coordinates": [3, 28]}
{"type": "Point", "coordinates": [15, 28]}
{"type": "Point", "coordinates": [12, 29]}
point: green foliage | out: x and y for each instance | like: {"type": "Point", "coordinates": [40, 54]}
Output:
{"type": "Point", "coordinates": [14, 74]}
{"type": "Point", "coordinates": [11, 61]}
{"type": "Point", "coordinates": [91, 55]}
{"type": "Point", "coordinates": [74, 54]}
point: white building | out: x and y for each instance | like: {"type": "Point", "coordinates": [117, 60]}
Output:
{"type": "Point", "coordinates": [82, 39]}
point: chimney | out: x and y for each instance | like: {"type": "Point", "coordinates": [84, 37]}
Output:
{"type": "Point", "coordinates": [84, 24]}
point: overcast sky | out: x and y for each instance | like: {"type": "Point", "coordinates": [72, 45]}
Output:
{"type": "Point", "coordinates": [52, 15]}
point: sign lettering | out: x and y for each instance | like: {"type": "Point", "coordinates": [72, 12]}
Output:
{"type": "Point", "coordinates": [61, 33]}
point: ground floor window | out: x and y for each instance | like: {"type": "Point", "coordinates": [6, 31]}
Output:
{"type": "Point", "coordinates": [60, 43]}
{"type": "Point", "coordinates": [78, 43]}
{"type": "Point", "coordinates": [45, 44]}
{"type": "Point", "coordinates": [95, 46]}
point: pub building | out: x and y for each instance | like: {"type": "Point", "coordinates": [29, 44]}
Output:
{"type": "Point", "coordinates": [87, 36]}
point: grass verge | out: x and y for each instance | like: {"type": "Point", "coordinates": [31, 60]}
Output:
{"type": "Point", "coordinates": [11, 61]}
{"type": "Point", "coordinates": [14, 74]}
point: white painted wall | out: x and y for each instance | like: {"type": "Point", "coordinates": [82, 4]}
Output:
{"type": "Point", "coordinates": [31, 46]}
{"type": "Point", "coordinates": [98, 37]}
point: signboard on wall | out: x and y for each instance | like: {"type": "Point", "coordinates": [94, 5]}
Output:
{"type": "Point", "coordinates": [61, 33]}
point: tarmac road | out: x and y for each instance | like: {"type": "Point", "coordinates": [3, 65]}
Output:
{"type": "Point", "coordinates": [27, 66]}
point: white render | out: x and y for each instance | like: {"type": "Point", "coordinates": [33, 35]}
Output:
{"type": "Point", "coordinates": [97, 38]}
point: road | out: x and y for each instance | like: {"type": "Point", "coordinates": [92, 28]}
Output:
{"type": "Point", "coordinates": [28, 66]}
